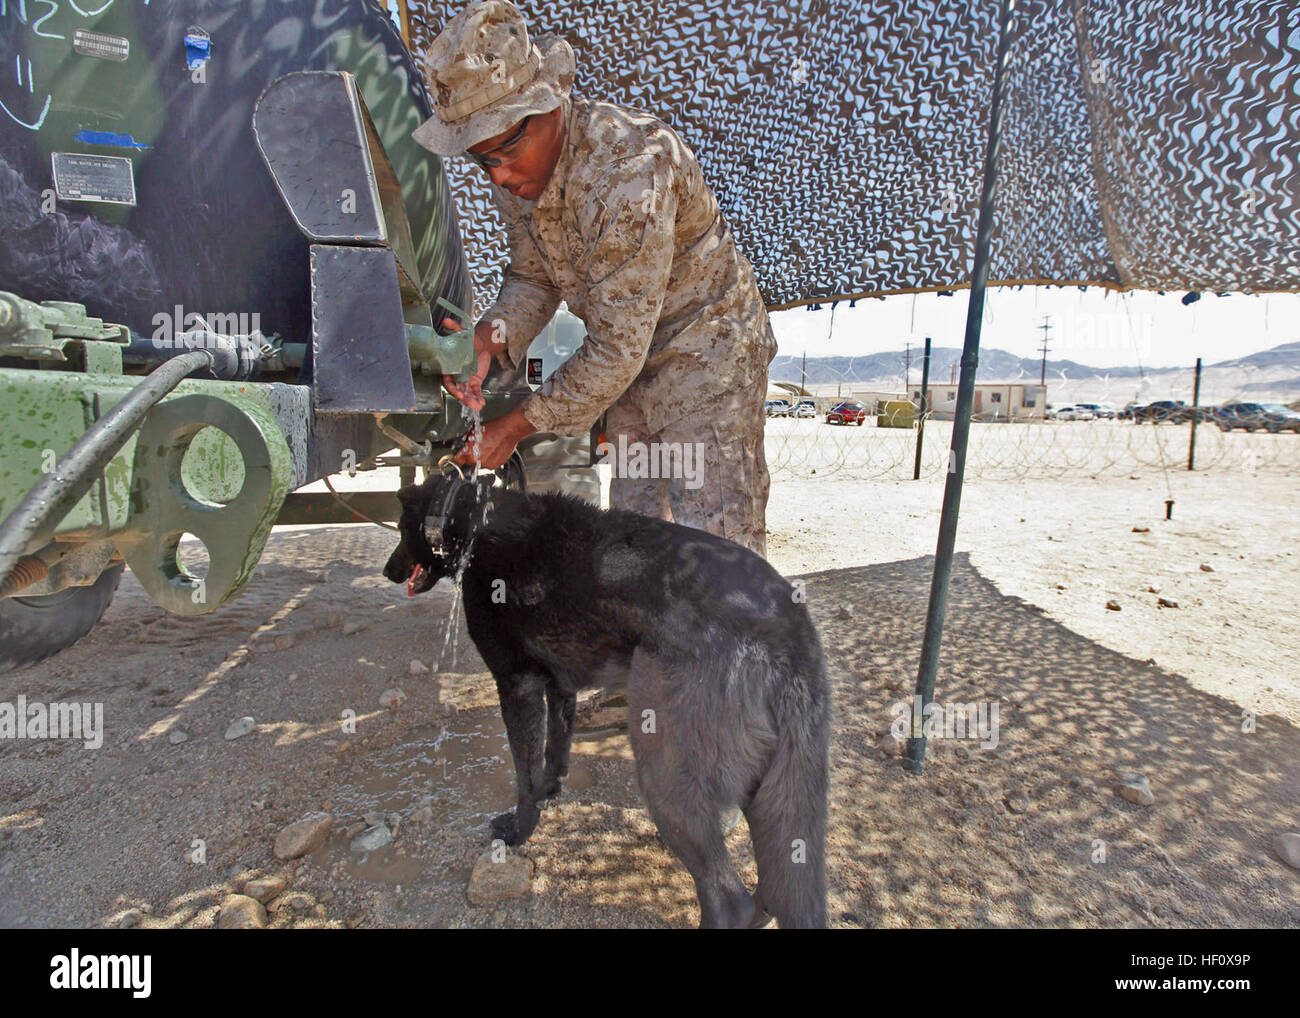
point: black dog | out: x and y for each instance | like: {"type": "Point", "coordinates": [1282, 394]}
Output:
{"type": "Point", "coordinates": [728, 702]}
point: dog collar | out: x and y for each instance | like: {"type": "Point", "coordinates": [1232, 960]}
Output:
{"type": "Point", "coordinates": [435, 524]}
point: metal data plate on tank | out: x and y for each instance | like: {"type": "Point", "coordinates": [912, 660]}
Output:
{"type": "Point", "coordinates": [81, 176]}
{"type": "Point", "coordinates": [358, 334]}
{"type": "Point", "coordinates": [309, 129]}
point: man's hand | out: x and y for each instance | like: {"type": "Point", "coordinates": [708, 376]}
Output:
{"type": "Point", "coordinates": [496, 441]}
{"type": "Point", "coordinates": [471, 393]}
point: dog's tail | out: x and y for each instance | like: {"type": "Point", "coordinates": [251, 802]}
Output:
{"type": "Point", "coordinates": [787, 815]}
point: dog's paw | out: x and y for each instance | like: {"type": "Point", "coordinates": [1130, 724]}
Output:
{"type": "Point", "coordinates": [508, 829]}
{"type": "Point", "coordinates": [552, 788]}
{"type": "Point", "coordinates": [505, 828]}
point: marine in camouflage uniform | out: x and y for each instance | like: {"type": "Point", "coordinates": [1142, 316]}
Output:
{"type": "Point", "coordinates": [627, 232]}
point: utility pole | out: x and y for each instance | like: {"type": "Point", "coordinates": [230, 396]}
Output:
{"type": "Point", "coordinates": [907, 368]}
{"type": "Point", "coordinates": [803, 374]}
{"type": "Point", "coordinates": [1042, 375]}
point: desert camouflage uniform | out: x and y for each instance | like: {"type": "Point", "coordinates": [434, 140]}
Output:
{"type": "Point", "coordinates": [678, 340]}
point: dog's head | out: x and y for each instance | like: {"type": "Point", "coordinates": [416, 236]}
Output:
{"type": "Point", "coordinates": [435, 525]}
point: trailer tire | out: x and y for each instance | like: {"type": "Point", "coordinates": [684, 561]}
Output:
{"type": "Point", "coordinates": [34, 628]}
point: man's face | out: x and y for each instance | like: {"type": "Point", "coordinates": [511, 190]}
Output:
{"type": "Point", "coordinates": [527, 153]}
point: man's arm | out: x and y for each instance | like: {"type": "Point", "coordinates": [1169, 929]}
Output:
{"type": "Point", "coordinates": [628, 228]}
{"type": "Point", "coordinates": [527, 299]}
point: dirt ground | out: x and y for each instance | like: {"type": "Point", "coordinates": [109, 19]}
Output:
{"type": "Point", "coordinates": [1031, 832]}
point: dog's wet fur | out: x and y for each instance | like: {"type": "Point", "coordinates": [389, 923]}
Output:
{"type": "Point", "coordinates": [728, 702]}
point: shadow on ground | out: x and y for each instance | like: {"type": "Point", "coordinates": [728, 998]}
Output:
{"type": "Point", "coordinates": [1030, 833]}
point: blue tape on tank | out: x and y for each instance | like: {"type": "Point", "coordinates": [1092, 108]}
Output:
{"type": "Point", "coordinates": [108, 138]}
{"type": "Point", "coordinates": [197, 50]}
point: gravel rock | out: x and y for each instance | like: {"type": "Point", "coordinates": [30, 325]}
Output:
{"type": "Point", "coordinates": [284, 641]}
{"type": "Point", "coordinates": [240, 912]}
{"type": "Point", "coordinates": [240, 727]}
{"type": "Point", "coordinates": [1164, 602]}
{"type": "Point", "coordinates": [1135, 788]}
{"type": "Point", "coordinates": [372, 838]}
{"type": "Point", "coordinates": [265, 888]}
{"type": "Point", "coordinates": [1287, 847]}
{"type": "Point", "coordinates": [1112, 606]}
{"type": "Point", "coordinates": [353, 626]}
{"type": "Point", "coordinates": [1018, 802]}
{"type": "Point", "coordinates": [305, 836]}
{"type": "Point", "coordinates": [130, 919]}
{"type": "Point", "coordinates": [392, 698]}
{"type": "Point", "coordinates": [494, 882]}
{"type": "Point", "coordinates": [846, 611]}
{"type": "Point", "coordinates": [1206, 567]}
{"type": "Point", "coordinates": [176, 736]}
{"type": "Point", "coordinates": [296, 900]}
{"type": "Point", "coordinates": [418, 667]}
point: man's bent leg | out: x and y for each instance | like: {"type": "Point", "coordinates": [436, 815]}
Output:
{"type": "Point", "coordinates": [645, 495]}
{"type": "Point", "coordinates": [726, 491]}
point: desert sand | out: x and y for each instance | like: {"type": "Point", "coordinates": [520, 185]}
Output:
{"type": "Point", "coordinates": [1202, 699]}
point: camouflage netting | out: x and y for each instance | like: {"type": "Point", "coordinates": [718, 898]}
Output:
{"type": "Point", "coordinates": [1146, 144]}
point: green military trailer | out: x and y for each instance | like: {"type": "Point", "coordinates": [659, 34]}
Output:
{"type": "Point", "coordinates": [224, 262]}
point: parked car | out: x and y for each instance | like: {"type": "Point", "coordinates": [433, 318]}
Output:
{"type": "Point", "coordinates": [1163, 411]}
{"type": "Point", "coordinates": [779, 408]}
{"type": "Point", "coordinates": [1069, 413]}
{"type": "Point", "coordinates": [1127, 413]}
{"type": "Point", "coordinates": [1101, 410]}
{"type": "Point", "coordinates": [1272, 417]}
{"type": "Point", "coordinates": [848, 412]}
{"type": "Point", "coordinates": [806, 408]}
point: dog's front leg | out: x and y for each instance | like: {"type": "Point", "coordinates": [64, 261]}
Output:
{"type": "Point", "coordinates": [560, 709]}
{"type": "Point", "coordinates": [524, 713]}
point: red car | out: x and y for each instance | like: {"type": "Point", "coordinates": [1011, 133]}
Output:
{"type": "Point", "coordinates": [847, 413]}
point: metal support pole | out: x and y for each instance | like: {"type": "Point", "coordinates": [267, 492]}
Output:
{"type": "Point", "coordinates": [1196, 413]}
{"type": "Point", "coordinates": [914, 759]}
{"type": "Point", "coordinates": [920, 421]}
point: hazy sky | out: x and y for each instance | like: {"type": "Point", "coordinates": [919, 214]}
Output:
{"type": "Point", "coordinates": [1091, 327]}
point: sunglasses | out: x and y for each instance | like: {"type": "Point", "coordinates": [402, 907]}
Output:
{"type": "Point", "coordinates": [486, 160]}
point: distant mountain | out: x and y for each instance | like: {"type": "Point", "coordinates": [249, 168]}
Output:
{"type": "Point", "coordinates": [1285, 356]}
{"type": "Point", "coordinates": [994, 366]}
{"type": "Point", "coordinates": [1281, 385]}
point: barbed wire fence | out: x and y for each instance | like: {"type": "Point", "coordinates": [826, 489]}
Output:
{"type": "Point", "coordinates": [1002, 449]}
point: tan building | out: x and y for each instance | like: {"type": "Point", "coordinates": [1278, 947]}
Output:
{"type": "Point", "coordinates": [994, 401]}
